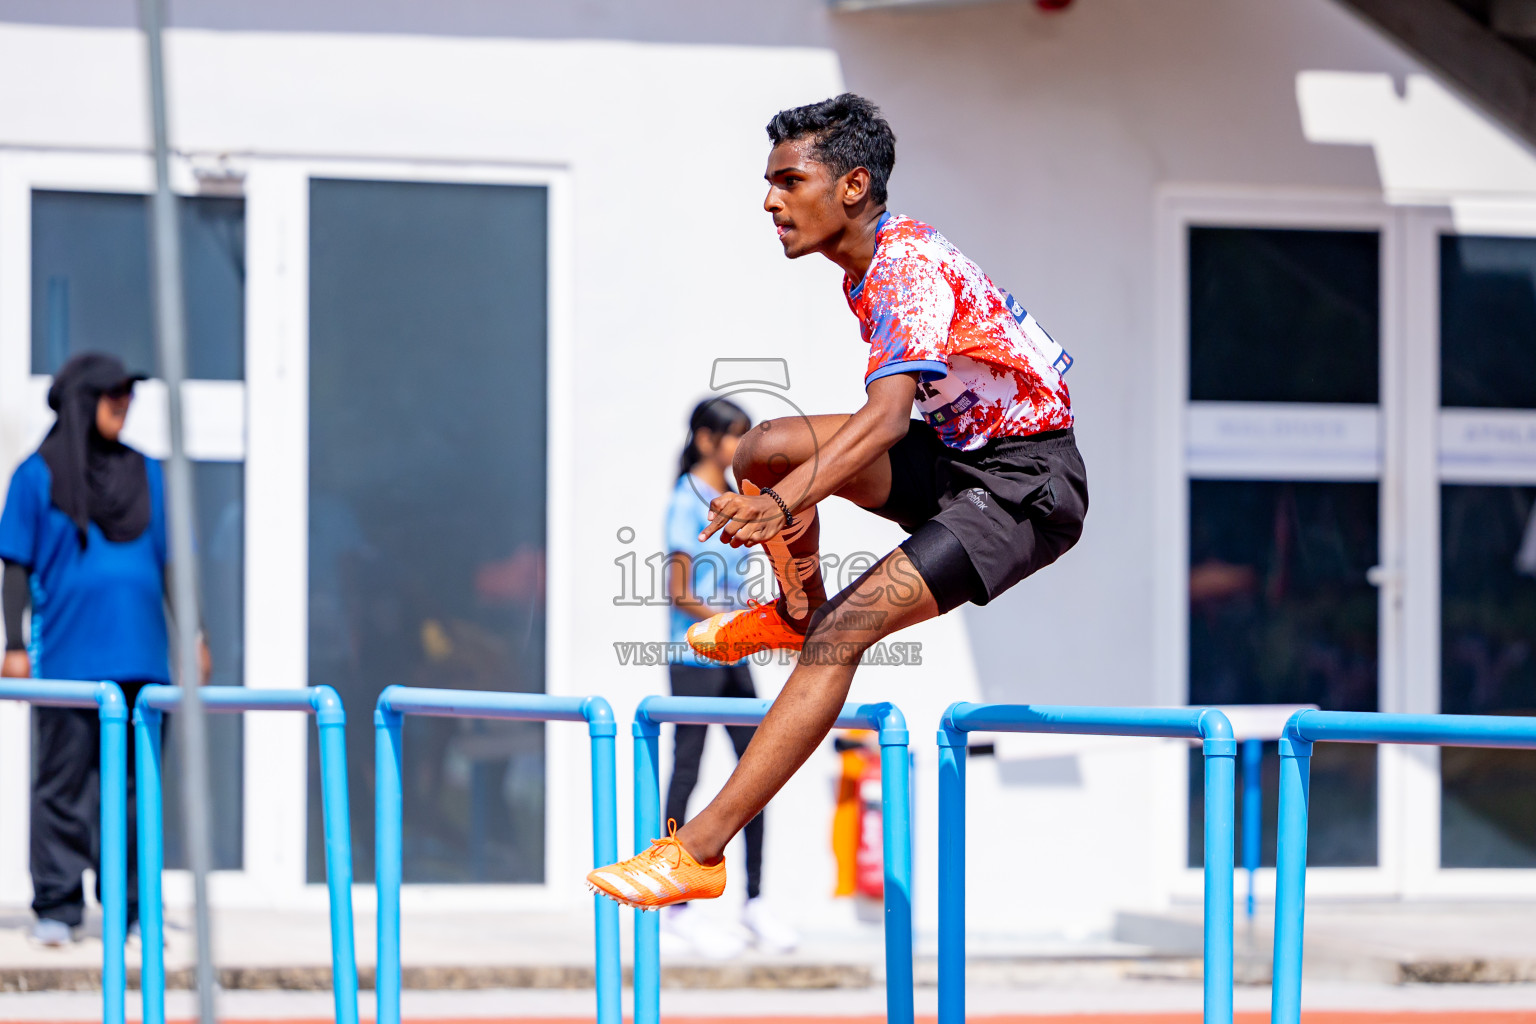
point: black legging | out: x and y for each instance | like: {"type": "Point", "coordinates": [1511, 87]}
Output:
{"type": "Point", "coordinates": [688, 748]}
{"type": "Point", "coordinates": [66, 811]}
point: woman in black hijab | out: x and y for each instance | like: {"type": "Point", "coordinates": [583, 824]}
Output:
{"type": "Point", "coordinates": [96, 478]}
{"type": "Point", "coordinates": [83, 539]}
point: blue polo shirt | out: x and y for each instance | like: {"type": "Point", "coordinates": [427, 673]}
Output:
{"type": "Point", "coordinates": [717, 567]}
{"type": "Point", "coordinates": [97, 613]}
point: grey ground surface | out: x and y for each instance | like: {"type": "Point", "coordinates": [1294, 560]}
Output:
{"type": "Point", "coordinates": [1385, 956]}
{"type": "Point", "coordinates": [72, 1007]}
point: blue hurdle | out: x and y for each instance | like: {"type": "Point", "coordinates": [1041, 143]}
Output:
{"type": "Point", "coordinates": [330, 718]}
{"type": "Point", "coordinates": [896, 819]}
{"type": "Point", "coordinates": [1303, 730]}
{"type": "Point", "coordinates": [1206, 724]}
{"type": "Point", "coordinates": [1253, 760]}
{"type": "Point", "coordinates": [398, 701]}
{"type": "Point", "coordinates": [110, 707]}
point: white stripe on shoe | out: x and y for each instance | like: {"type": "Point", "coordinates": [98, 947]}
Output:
{"type": "Point", "coordinates": [619, 884]}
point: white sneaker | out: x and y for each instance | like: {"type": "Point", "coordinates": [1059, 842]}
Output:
{"type": "Point", "coordinates": [771, 934]}
{"type": "Point", "coordinates": [52, 934]}
{"type": "Point", "coordinates": [700, 936]}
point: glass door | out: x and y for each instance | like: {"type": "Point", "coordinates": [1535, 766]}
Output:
{"type": "Point", "coordinates": [1288, 498]}
{"type": "Point", "coordinates": [428, 351]}
{"type": "Point", "coordinates": [1480, 391]}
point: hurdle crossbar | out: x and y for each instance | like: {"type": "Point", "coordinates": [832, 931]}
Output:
{"type": "Point", "coordinates": [398, 701]}
{"type": "Point", "coordinates": [112, 710]}
{"type": "Point", "coordinates": [330, 719]}
{"type": "Point", "coordinates": [1207, 725]}
{"type": "Point", "coordinates": [896, 824]}
{"type": "Point", "coordinates": [1306, 728]}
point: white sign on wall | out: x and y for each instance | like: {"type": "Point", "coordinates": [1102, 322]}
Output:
{"type": "Point", "coordinates": [1282, 441]}
{"type": "Point", "coordinates": [1496, 446]}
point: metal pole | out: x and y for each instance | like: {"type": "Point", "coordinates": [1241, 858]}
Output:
{"type": "Point", "coordinates": [331, 722]}
{"type": "Point", "coordinates": [1220, 755]}
{"type": "Point", "coordinates": [146, 752]}
{"type": "Point", "coordinates": [1290, 876]}
{"type": "Point", "coordinates": [647, 827]}
{"type": "Point", "coordinates": [171, 335]}
{"type": "Point", "coordinates": [387, 857]}
{"type": "Point", "coordinates": [1253, 760]}
{"type": "Point", "coordinates": [605, 850]}
{"type": "Point", "coordinates": [113, 713]}
{"type": "Point", "coordinates": [896, 825]}
{"type": "Point", "coordinates": [952, 758]}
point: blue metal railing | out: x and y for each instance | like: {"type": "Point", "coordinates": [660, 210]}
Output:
{"type": "Point", "coordinates": [896, 823]}
{"type": "Point", "coordinates": [1303, 730]}
{"type": "Point", "coordinates": [330, 719]}
{"type": "Point", "coordinates": [107, 699]}
{"type": "Point", "coordinates": [1205, 724]}
{"type": "Point", "coordinates": [398, 701]}
{"type": "Point", "coordinates": [1253, 763]}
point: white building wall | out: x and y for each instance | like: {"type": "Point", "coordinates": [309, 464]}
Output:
{"type": "Point", "coordinates": [1038, 143]}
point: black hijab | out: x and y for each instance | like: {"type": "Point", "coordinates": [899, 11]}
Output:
{"type": "Point", "coordinates": [94, 480]}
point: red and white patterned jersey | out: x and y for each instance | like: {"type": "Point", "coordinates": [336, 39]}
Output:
{"type": "Point", "coordinates": [986, 368]}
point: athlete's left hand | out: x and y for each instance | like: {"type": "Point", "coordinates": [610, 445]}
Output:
{"type": "Point", "coordinates": [743, 521]}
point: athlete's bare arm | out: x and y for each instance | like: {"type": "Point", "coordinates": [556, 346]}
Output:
{"type": "Point", "coordinates": [839, 461]}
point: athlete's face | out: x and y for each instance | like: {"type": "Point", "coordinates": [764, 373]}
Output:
{"type": "Point", "coordinates": [805, 200]}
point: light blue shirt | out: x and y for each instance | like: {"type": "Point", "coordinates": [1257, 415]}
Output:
{"type": "Point", "coordinates": [717, 568]}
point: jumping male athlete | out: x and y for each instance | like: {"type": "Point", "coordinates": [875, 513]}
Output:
{"type": "Point", "coordinates": [988, 483]}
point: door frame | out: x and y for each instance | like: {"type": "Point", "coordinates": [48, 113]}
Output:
{"type": "Point", "coordinates": [216, 416]}
{"type": "Point", "coordinates": [1178, 208]}
{"type": "Point", "coordinates": [1427, 428]}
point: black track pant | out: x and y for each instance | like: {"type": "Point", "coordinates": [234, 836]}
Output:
{"type": "Point", "coordinates": [725, 681]}
{"type": "Point", "coordinates": [66, 811]}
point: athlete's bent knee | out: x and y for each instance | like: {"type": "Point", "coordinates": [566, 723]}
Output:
{"type": "Point", "coordinates": [762, 456]}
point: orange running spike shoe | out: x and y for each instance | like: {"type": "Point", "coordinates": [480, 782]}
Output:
{"type": "Point", "coordinates": [660, 876]}
{"type": "Point", "coordinates": [731, 636]}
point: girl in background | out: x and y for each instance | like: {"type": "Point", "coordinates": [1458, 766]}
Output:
{"type": "Point", "coordinates": [704, 578]}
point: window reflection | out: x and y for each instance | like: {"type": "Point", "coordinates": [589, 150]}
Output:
{"type": "Point", "coordinates": [90, 292]}
{"type": "Point", "coordinates": [90, 281]}
{"type": "Point", "coordinates": [1487, 322]}
{"type": "Point", "coordinates": [1283, 316]}
{"type": "Point", "coordinates": [1488, 666]}
{"type": "Point", "coordinates": [426, 504]}
{"type": "Point", "coordinates": [1280, 612]}
{"type": "Point", "coordinates": [220, 496]}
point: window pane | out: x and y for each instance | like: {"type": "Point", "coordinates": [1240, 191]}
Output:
{"type": "Point", "coordinates": [1280, 612]}
{"type": "Point", "coordinates": [426, 504]}
{"type": "Point", "coordinates": [1487, 632]}
{"type": "Point", "coordinates": [1487, 322]}
{"type": "Point", "coordinates": [220, 496]}
{"type": "Point", "coordinates": [1283, 316]}
{"type": "Point", "coordinates": [90, 281]}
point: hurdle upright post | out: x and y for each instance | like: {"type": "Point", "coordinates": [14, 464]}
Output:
{"type": "Point", "coordinates": [331, 720]}
{"type": "Point", "coordinates": [106, 698]}
{"type": "Point", "coordinates": [896, 829]}
{"type": "Point", "coordinates": [1220, 750]}
{"type": "Point", "coordinates": [147, 798]}
{"type": "Point", "coordinates": [113, 713]}
{"type": "Point", "coordinates": [602, 731]}
{"type": "Point", "coordinates": [954, 752]}
{"type": "Point", "coordinates": [1253, 763]}
{"type": "Point", "coordinates": [387, 859]}
{"type": "Point", "coordinates": [1291, 873]}
{"type": "Point", "coordinates": [647, 969]}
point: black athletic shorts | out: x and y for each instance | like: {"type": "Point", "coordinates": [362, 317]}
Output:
{"type": "Point", "coordinates": [983, 520]}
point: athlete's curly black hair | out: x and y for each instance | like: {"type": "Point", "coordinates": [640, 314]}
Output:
{"type": "Point", "coordinates": [847, 131]}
